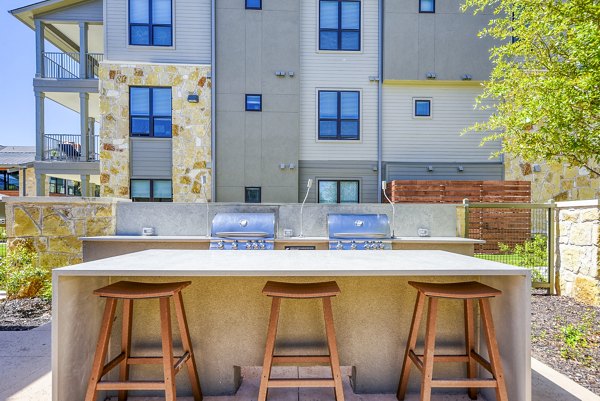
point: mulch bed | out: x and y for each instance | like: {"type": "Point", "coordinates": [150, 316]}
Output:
{"type": "Point", "coordinates": [24, 314]}
{"type": "Point", "coordinates": [550, 315]}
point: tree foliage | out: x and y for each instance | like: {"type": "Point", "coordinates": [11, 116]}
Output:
{"type": "Point", "coordinates": [544, 89]}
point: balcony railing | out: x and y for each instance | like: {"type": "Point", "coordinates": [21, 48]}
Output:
{"type": "Point", "coordinates": [66, 65]}
{"type": "Point", "coordinates": [67, 147]}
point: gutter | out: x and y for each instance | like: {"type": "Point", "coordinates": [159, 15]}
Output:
{"type": "Point", "coordinates": [380, 101]}
{"type": "Point", "coordinates": [213, 95]}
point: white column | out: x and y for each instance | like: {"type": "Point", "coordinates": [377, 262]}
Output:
{"type": "Point", "coordinates": [83, 45]}
{"type": "Point", "coordinates": [85, 185]}
{"type": "Point", "coordinates": [39, 48]}
{"type": "Point", "coordinates": [39, 125]}
{"type": "Point", "coordinates": [40, 184]}
{"type": "Point", "coordinates": [83, 124]}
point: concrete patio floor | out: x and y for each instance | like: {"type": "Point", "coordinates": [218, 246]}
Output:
{"type": "Point", "coordinates": [26, 376]}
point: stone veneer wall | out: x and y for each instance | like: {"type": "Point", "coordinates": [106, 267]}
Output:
{"type": "Point", "coordinates": [578, 251]}
{"type": "Point", "coordinates": [557, 181]}
{"type": "Point", "coordinates": [191, 126]}
{"type": "Point", "coordinates": [52, 226]}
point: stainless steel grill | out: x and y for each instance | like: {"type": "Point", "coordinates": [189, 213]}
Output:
{"type": "Point", "coordinates": [359, 232]}
{"type": "Point", "coordinates": [243, 231]}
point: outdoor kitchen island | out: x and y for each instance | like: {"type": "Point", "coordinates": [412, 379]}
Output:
{"type": "Point", "coordinates": [228, 315]}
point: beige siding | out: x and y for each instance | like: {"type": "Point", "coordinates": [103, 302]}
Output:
{"type": "Point", "coordinates": [88, 11]}
{"type": "Point", "coordinates": [437, 139]}
{"type": "Point", "coordinates": [338, 70]}
{"type": "Point", "coordinates": [191, 43]}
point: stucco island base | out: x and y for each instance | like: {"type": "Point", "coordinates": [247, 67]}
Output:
{"type": "Point", "coordinates": [228, 315]}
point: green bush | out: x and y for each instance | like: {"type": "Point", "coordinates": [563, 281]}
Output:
{"type": "Point", "coordinates": [531, 254]}
{"type": "Point", "coordinates": [575, 339]}
{"type": "Point", "coordinates": [21, 277]}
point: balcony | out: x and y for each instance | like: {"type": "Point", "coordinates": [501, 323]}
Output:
{"type": "Point", "coordinates": [68, 148]}
{"type": "Point", "coordinates": [62, 65]}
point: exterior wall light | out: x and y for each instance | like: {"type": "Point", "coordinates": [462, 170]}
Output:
{"type": "Point", "coordinates": [466, 77]}
{"type": "Point", "coordinates": [193, 98]}
{"type": "Point", "coordinates": [431, 75]}
{"type": "Point", "coordinates": [429, 168]}
{"type": "Point", "coordinates": [460, 169]}
{"type": "Point", "coordinates": [537, 168]}
{"type": "Point", "coordinates": [282, 166]}
{"type": "Point", "coordinates": [291, 74]}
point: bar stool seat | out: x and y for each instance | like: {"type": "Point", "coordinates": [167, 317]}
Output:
{"type": "Point", "coordinates": [468, 292]}
{"type": "Point", "coordinates": [278, 291]}
{"type": "Point", "coordinates": [128, 291]}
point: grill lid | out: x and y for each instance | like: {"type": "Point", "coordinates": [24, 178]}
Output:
{"type": "Point", "coordinates": [367, 226]}
{"type": "Point", "coordinates": [243, 225]}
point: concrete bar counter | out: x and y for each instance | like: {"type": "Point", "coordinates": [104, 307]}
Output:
{"type": "Point", "coordinates": [228, 315]}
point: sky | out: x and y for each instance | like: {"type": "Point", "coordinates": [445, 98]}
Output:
{"type": "Point", "coordinates": [17, 69]}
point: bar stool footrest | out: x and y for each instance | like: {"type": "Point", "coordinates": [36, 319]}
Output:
{"type": "Point", "coordinates": [470, 383]}
{"type": "Point", "coordinates": [280, 359]}
{"type": "Point", "coordinates": [285, 383]}
{"type": "Point", "coordinates": [131, 385]}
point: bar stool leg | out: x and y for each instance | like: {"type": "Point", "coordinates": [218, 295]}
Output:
{"type": "Point", "coordinates": [410, 346]}
{"type": "Point", "coordinates": [428, 353]}
{"type": "Point", "coordinates": [334, 359]}
{"type": "Point", "coordinates": [125, 345]}
{"type": "Point", "coordinates": [101, 348]}
{"type": "Point", "coordinates": [167, 349]}
{"type": "Point", "coordinates": [470, 346]}
{"type": "Point", "coordinates": [269, 349]}
{"type": "Point", "coordinates": [494, 354]}
{"type": "Point", "coordinates": [187, 346]}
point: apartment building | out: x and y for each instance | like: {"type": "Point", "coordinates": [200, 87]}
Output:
{"type": "Point", "coordinates": [246, 100]}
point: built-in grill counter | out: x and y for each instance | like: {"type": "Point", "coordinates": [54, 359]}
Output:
{"type": "Point", "coordinates": [365, 232]}
{"type": "Point", "coordinates": [243, 232]}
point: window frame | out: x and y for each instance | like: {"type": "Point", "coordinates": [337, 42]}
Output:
{"type": "Point", "coordinates": [6, 185]}
{"type": "Point", "coordinates": [339, 29]}
{"type": "Point", "coordinates": [246, 194]}
{"type": "Point", "coordinates": [150, 115]}
{"type": "Point", "coordinates": [246, 102]}
{"type": "Point", "coordinates": [338, 188]}
{"type": "Point", "coordinates": [151, 180]}
{"type": "Point", "coordinates": [426, 12]}
{"type": "Point", "coordinates": [254, 8]}
{"type": "Point", "coordinates": [69, 187]}
{"type": "Point", "coordinates": [150, 26]}
{"type": "Point", "coordinates": [339, 118]}
{"type": "Point", "coordinates": [414, 107]}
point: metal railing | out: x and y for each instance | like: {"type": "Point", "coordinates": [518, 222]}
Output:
{"type": "Point", "coordinates": [62, 65]}
{"type": "Point", "coordinates": [519, 234]}
{"type": "Point", "coordinates": [67, 147]}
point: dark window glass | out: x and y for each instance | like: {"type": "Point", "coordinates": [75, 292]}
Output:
{"type": "Point", "coordinates": [339, 25]}
{"type": "Point", "coordinates": [59, 186]}
{"type": "Point", "coordinates": [150, 110]}
{"type": "Point", "coordinates": [338, 191]}
{"type": "Point", "coordinates": [252, 194]}
{"type": "Point", "coordinates": [422, 108]}
{"type": "Point", "coordinates": [151, 190]}
{"type": "Point", "coordinates": [9, 181]}
{"type": "Point", "coordinates": [339, 115]}
{"type": "Point", "coordinates": [254, 4]}
{"type": "Point", "coordinates": [426, 6]}
{"type": "Point", "coordinates": [150, 23]}
{"type": "Point", "coordinates": [253, 102]}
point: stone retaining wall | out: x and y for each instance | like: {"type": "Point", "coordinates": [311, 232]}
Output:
{"type": "Point", "coordinates": [578, 250]}
{"type": "Point", "coordinates": [52, 226]}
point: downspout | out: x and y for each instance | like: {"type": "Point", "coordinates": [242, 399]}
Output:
{"type": "Point", "coordinates": [380, 102]}
{"type": "Point", "coordinates": [213, 121]}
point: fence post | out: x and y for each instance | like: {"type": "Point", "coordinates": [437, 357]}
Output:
{"type": "Point", "coordinates": [466, 223]}
{"type": "Point", "coordinates": [551, 243]}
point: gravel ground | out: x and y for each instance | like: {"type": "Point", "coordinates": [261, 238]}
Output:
{"type": "Point", "coordinates": [24, 314]}
{"type": "Point", "coordinates": [555, 320]}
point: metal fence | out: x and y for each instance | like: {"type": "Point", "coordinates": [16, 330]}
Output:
{"type": "Point", "coordinates": [63, 65]}
{"type": "Point", "coordinates": [67, 147]}
{"type": "Point", "coordinates": [519, 234]}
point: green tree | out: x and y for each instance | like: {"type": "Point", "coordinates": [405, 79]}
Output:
{"type": "Point", "coordinates": [544, 89]}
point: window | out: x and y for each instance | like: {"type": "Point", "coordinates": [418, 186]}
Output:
{"type": "Point", "coordinates": [252, 195]}
{"type": "Point", "coordinates": [339, 115]}
{"type": "Point", "coordinates": [338, 191]}
{"type": "Point", "coordinates": [253, 4]}
{"type": "Point", "coordinates": [253, 102]}
{"type": "Point", "coordinates": [422, 108]}
{"type": "Point", "coordinates": [59, 186]}
{"type": "Point", "coordinates": [9, 181]}
{"type": "Point", "coordinates": [426, 6]}
{"type": "Point", "coordinates": [150, 111]}
{"type": "Point", "coordinates": [150, 23]}
{"type": "Point", "coordinates": [339, 25]}
{"type": "Point", "coordinates": [151, 191]}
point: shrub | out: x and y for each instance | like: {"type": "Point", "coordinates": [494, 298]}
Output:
{"type": "Point", "coordinates": [21, 277]}
{"type": "Point", "coordinates": [532, 253]}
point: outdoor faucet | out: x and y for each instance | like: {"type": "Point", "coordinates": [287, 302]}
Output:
{"type": "Point", "coordinates": [383, 188]}
{"type": "Point", "coordinates": [308, 186]}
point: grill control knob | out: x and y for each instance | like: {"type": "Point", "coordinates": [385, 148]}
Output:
{"type": "Point", "coordinates": [248, 246]}
{"type": "Point", "coordinates": [262, 245]}
{"type": "Point", "coordinates": [339, 246]}
{"type": "Point", "coordinates": [381, 246]}
{"type": "Point", "coordinates": [220, 245]}
{"type": "Point", "coordinates": [367, 246]}
{"type": "Point", "coordinates": [234, 245]}
{"type": "Point", "coordinates": [255, 246]}
{"type": "Point", "coordinates": [353, 245]}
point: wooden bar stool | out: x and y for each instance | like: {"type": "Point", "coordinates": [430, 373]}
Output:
{"type": "Point", "coordinates": [277, 291]}
{"type": "Point", "coordinates": [129, 291]}
{"type": "Point", "coordinates": [468, 292]}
